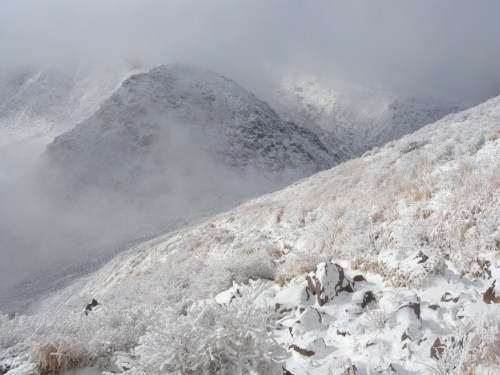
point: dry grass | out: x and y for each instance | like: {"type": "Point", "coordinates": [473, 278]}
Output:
{"type": "Point", "coordinates": [59, 355]}
{"type": "Point", "coordinates": [273, 251]}
{"type": "Point", "coordinates": [493, 136]}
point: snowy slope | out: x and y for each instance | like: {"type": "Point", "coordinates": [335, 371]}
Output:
{"type": "Point", "coordinates": [360, 117]}
{"type": "Point", "coordinates": [169, 147]}
{"type": "Point", "coordinates": [418, 219]}
{"type": "Point", "coordinates": [37, 104]}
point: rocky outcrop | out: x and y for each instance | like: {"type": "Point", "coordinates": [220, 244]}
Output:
{"type": "Point", "coordinates": [328, 281]}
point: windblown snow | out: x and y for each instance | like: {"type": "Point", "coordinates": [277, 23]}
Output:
{"type": "Point", "coordinates": [362, 118]}
{"type": "Point", "coordinates": [384, 264]}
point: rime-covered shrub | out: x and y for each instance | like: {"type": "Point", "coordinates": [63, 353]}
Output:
{"type": "Point", "coordinates": [206, 338]}
{"type": "Point", "coordinates": [63, 340]}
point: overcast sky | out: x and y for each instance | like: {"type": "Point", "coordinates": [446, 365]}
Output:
{"type": "Point", "coordinates": [450, 46]}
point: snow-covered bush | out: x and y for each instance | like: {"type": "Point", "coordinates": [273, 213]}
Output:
{"type": "Point", "coordinates": [206, 338]}
{"type": "Point", "coordinates": [63, 340]}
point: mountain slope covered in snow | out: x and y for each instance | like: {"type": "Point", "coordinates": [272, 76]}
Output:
{"type": "Point", "coordinates": [38, 104]}
{"type": "Point", "coordinates": [362, 118]}
{"type": "Point", "coordinates": [170, 146]}
{"type": "Point", "coordinates": [413, 227]}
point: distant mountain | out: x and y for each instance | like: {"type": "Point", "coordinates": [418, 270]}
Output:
{"type": "Point", "coordinates": [360, 117]}
{"type": "Point", "coordinates": [167, 148]}
{"type": "Point", "coordinates": [37, 104]}
{"type": "Point", "coordinates": [173, 112]}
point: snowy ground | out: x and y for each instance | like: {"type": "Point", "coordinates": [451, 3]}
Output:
{"type": "Point", "coordinates": [413, 226]}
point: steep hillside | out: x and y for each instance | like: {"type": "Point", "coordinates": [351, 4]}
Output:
{"type": "Point", "coordinates": [169, 147]}
{"type": "Point", "coordinates": [415, 230]}
{"type": "Point", "coordinates": [360, 117]}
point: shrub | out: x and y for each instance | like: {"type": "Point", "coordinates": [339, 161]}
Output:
{"type": "Point", "coordinates": [206, 338]}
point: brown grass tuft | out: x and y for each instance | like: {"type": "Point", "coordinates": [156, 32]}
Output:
{"type": "Point", "coordinates": [59, 355]}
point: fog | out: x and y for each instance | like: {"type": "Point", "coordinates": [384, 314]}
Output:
{"type": "Point", "coordinates": [443, 46]}
{"type": "Point", "coordinates": [428, 47]}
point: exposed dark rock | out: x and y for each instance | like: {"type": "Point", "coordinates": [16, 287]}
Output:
{"type": "Point", "coordinates": [416, 309]}
{"type": "Point", "coordinates": [91, 306]}
{"type": "Point", "coordinates": [437, 349]}
{"type": "Point", "coordinates": [422, 256]}
{"type": "Point", "coordinates": [304, 352]}
{"type": "Point", "coordinates": [367, 298]}
{"type": "Point", "coordinates": [359, 278]}
{"type": "Point", "coordinates": [447, 297]}
{"type": "Point", "coordinates": [433, 307]}
{"type": "Point", "coordinates": [343, 333]}
{"type": "Point", "coordinates": [404, 336]}
{"type": "Point", "coordinates": [490, 296]}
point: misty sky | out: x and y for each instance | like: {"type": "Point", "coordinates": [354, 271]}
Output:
{"type": "Point", "coordinates": [447, 46]}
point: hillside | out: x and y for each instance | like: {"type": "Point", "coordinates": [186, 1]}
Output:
{"type": "Point", "coordinates": [413, 227]}
{"type": "Point", "coordinates": [169, 147]}
{"type": "Point", "coordinates": [360, 117]}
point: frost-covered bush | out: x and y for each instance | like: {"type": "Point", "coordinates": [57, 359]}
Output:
{"type": "Point", "coordinates": [473, 348]}
{"type": "Point", "coordinates": [300, 263]}
{"type": "Point", "coordinates": [62, 340]}
{"type": "Point", "coordinates": [206, 338]}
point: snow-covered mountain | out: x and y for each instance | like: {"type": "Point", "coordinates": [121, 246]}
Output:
{"type": "Point", "coordinates": [168, 147]}
{"type": "Point", "coordinates": [38, 104]}
{"type": "Point", "coordinates": [179, 105]}
{"type": "Point", "coordinates": [388, 263]}
{"type": "Point", "coordinates": [183, 139]}
{"type": "Point", "coordinates": [360, 117]}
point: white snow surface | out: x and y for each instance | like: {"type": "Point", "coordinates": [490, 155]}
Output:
{"type": "Point", "coordinates": [360, 117]}
{"type": "Point", "coordinates": [419, 219]}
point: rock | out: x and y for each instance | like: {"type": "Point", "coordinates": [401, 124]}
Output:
{"type": "Point", "coordinates": [415, 306]}
{"type": "Point", "coordinates": [359, 278]}
{"type": "Point", "coordinates": [328, 281]}
{"type": "Point", "coordinates": [437, 349]}
{"type": "Point", "coordinates": [447, 297]}
{"type": "Point", "coordinates": [343, 332]}
{"type": "Point", "coordinates": [304, 352]}
{"type": "Point", "coordinates": [367, 298]}
{"type": "Point", "coordinates": [308, 321]}
{"type": "Point", "coordinates": [91, 306]}
{"type": "Point", "coordinates": [422, 256]}
{"type": "Point", "coordinates": [433, 307]}
{"type": "Point", "coordinates": [490, 296]}
{"type": "Point", "coordinates": [308, 348]}
{"type": "Point", "coordinates": [291, 298]}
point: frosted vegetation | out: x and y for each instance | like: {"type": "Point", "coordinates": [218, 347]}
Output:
{"type": "Point", "coordinates": [419, 218]}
